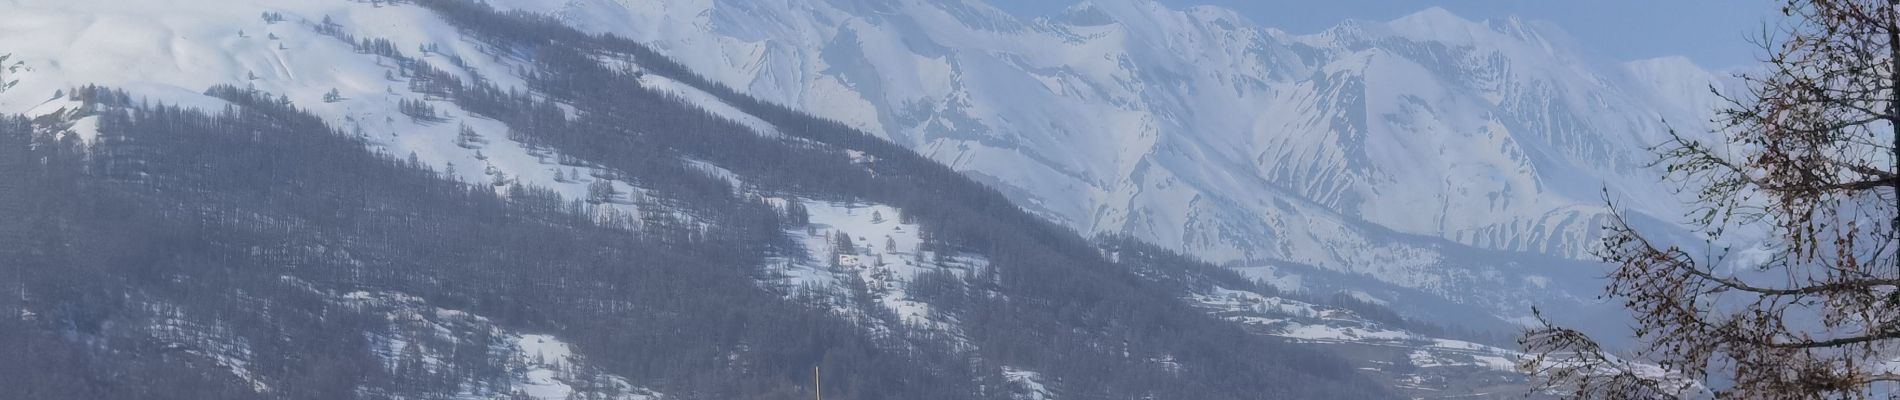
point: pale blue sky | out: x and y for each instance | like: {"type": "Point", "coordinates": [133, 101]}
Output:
{"type": "Point", "coordinates": [1714, 33]}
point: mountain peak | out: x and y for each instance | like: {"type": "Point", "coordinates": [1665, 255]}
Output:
{"type": "Point", "coordinates": [1442, 25]}
{"type": "Point", "coordinates": [1226, 18]}
{"type": "Point", "coordinates": [1110, 11]}
{"type": "Point", "coordinates": [1437, 23]}
{"type": "Point", "coordinates": [1432, 23]}
{"type": "Point", "coordinates": [1086, 13]}
{"type": "Point", "coordinates": [1432, 16]}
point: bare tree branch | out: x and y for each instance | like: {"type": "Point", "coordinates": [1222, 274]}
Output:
{"type": "Point", "coordinates": [1821, 318]}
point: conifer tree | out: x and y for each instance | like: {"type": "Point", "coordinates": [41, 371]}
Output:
{"type": "Point", "coordinates": [602, 191]}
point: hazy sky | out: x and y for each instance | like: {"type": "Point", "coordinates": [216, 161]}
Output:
{"type": "Point", "coordinates": [1712, 32]}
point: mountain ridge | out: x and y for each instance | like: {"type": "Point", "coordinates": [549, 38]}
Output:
{"type": "Point", "coordinates": [1199, 131]}
{"type": "Point", "coordinates": [527, 212]}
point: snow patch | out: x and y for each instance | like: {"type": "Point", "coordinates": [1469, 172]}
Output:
{"type": "Point", "coordinates": [708, 102]}
{"type": "Point", "coordinates": [542, 366]}
{"type": "Point", "coordinates": [1028, 384]}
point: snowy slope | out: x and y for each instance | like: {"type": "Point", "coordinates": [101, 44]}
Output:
{"type": "Point", "coordinates": [180, 50]}
{"type": "Point", "coordinates": [172, 52]}
{"type": "Point", "coordinates": [548, 368]}
{"type": "Point", "coordinates": [1492, 134]}
{"type": "Point", "coordinates": [1405, 151]}
{"type": "Point", "coordinates": [1420, 364]}
{"type": "Point", "coordinates": [884, 256]}
{"type": "Point", "coordinates": [1355, 149]}
{"type": "Point", "coordinates": [1164, 187]}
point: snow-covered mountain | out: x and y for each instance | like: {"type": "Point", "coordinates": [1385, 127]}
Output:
{"type": "Point", "coordinates": [1352, 149]}
{"type": "Point", "coordinates": [1197, 129]}
{"type": "Point", "coordinates": [1430, 165]}
{"type": "Point", "coordinates": [1432, 152]}
{"type": "Point", "coordinates": [427, 200]}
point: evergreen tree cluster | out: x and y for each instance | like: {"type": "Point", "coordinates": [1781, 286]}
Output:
{"type": "Point", "coordinates": [1045, 278]}
{"type": "Point", "coordinates": [258, 217]}
{"type": "Point", "coordinates": [420, 110]}
{"type": "Point", "coordinates": [254, 219]}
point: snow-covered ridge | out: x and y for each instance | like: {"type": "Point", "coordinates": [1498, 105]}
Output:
{"type": "Point", "coordinates": [1117, 86]}
{"type": "Point", "coordinates": [183, 49]}
{"type": "Point", "coordinates": [1350, 149]}
{"type": "Point", "coordinates": [1357, 149]}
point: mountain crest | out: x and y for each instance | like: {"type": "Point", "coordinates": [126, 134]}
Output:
{"type": "Point", "coordinates": [1442, 25]}
{"type": "Point", "coordinates": [1085, 14]}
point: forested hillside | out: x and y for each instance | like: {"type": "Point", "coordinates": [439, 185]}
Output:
{"type": "Point", "coordinates": [245, 246]}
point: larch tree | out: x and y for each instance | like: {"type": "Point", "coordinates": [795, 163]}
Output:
{"type": "Point", "coordinates": [602, 191]}
{"type": "Point", "coordinates": [843, 244]}
{"type": "Point", "coordinates": [1808, 169]}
